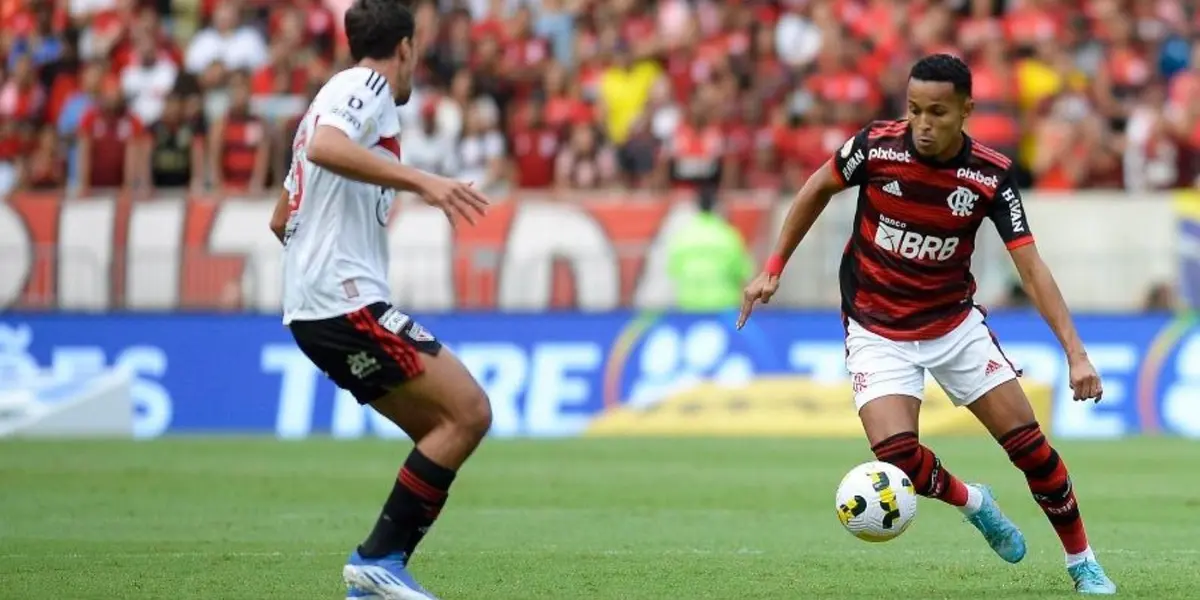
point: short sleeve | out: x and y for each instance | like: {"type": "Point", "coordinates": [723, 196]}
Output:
{"type": "Point", "coordinates": [1008, 214]}
{"type": "Point", "coordinates": [850, 161]}
{"type": "Point", "coordinates": [358, 106]}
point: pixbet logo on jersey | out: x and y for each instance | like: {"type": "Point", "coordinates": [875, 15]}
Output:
{"type": "Point", "coordinates": [889, 154]}
{"type": "Point", "coordinates": [891, 235]}
{"type": "Point", "coordinates": [990, 181]}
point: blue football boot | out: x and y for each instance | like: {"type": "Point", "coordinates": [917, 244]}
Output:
{"type": "Point", "coordinates": [1000, 532]}
{"type": "Point", "coordinates": [1089, 578]}
{"type": "Point", "coordinates": [385, 578]}
{"type": "Point", "coordinates": [353, 592]}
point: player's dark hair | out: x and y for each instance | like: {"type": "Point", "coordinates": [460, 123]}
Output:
{"type": "Point", "coordinates": [374, 28]}
{"type": "Point", "coordinates": [944, 68]}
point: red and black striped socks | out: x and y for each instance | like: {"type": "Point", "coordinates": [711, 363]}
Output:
{"type": "Point", "coordinates": [1050, 483]}
{"type": "Point", "coordinates": [416, 501]}
{"type": "Point", "coordinates": [922, 466]}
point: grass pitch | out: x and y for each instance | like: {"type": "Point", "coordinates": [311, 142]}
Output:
{"type": "Point", "coordinates": [726, 519]}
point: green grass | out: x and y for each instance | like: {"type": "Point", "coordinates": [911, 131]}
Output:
{"type": "Point", "coordinates": [582, 519]}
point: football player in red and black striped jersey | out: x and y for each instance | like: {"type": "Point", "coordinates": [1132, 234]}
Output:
{"type": "Point", "coordinates": [924, 188]}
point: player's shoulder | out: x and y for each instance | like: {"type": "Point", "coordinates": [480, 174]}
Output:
{"type": "Point", "coordinates": [880, 130]}
{"type": "Point", "coordinates": [985, 157]}
{"type": "Point", "coordinates": [364, 82]}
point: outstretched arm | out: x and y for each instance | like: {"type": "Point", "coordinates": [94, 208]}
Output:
{"type": "Point", "coordinates": [808, 204]}
{"type": "Point", "coordinates": [847, 168]}
{"type": "Point", "coordinates": [1039, 283]}
{"type": "Point", "coordinates": [1008, 214]}
{"type": "Point", "coordinates": [354, 119]}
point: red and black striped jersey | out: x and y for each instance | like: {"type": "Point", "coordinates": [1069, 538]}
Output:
{"type": "Point", "coordinates": [906, 272]}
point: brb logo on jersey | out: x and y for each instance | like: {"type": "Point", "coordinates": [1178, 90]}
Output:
{"type": "Point", "coordinates": [990, 181]}
{"type": "Point", "coordinates": [892, 235]}
{"type": "Point", "coordinates": [889, 154]}
{"type": "Point", "coordinates": [962, 201]}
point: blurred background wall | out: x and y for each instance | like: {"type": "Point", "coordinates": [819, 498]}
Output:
{"type": "Point", "coordinates": [141, 146]}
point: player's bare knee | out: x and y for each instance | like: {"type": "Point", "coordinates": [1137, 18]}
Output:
{"type": "Point", "coordinates": [479, 419]}
{"type": "Point", "coordinates": [473, 417]}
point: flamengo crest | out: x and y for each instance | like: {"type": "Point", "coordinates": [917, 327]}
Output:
{"type": "Point", "coordinates": [962, 201]}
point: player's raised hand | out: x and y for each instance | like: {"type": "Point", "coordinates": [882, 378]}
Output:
{"type": "Point", "coordinates": [1085, 381]}
{"type": "Point", "coordinates": [760, 289]}
{"type": "Point", "coordinates": [453, 197]}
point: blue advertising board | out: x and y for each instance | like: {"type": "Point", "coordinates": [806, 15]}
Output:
{"type": "Point", "coordinates": [551, 374]}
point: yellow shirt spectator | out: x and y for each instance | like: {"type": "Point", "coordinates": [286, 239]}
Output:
{"type": "Point", "coordinates": [624, 91]}
{"type": "Point", "coordinates": [1037, 81]}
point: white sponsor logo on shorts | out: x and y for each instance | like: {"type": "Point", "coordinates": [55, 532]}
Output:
{"type": "Point", "coordinates": [393, 320]}
{"type": "Point", "coordinates": [362, 364]}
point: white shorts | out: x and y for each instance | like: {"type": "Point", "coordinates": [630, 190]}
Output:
{"type": "Point", "coordinates": [967, 363]}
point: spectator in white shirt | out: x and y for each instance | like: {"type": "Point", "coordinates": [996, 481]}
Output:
{"type": "Point", "coordinates": [228, 43]}
{"type": "Point", "coordinates": [147, 79]}
{"type": "Point", "coordinates": [481, 152]}
{"type": "Point", "coordinates": [429, 147]}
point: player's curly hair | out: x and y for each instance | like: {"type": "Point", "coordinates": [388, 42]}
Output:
{"type": "Point", "coordinates": [944, 68]}
{"type": "Point", "coordinates": [374, 28]}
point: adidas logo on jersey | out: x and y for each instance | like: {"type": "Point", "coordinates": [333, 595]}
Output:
{"type": "Point", "coordinates": [992, 367]}
{"type": "Point", "coordinates": [972, 175]}
{"type": "Point", "coordinates": [893, 188]}
{"type": "Point", "coordinates": [889, 154]}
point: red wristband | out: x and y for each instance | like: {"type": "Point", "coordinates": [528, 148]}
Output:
{"type": "Point", "coordinates": [774, 265]}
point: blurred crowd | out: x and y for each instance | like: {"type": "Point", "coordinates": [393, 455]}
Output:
{"type": "Point", "coordinates": [586, 94]}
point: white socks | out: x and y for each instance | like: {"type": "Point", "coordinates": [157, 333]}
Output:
{"type": "Point", "coordinates": [1086, 555]}
{"type": "Point", "coordinates": [974, 501]}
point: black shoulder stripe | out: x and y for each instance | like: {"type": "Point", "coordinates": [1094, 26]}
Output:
{"type": "Point", "coordinates": [376, 83]}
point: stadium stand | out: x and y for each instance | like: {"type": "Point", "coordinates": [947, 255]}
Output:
{"type": "Point", "coordinates": [586, 94]}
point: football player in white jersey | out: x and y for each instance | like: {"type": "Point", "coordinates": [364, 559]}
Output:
{"type": "Point", "coordinates": [331, 219]}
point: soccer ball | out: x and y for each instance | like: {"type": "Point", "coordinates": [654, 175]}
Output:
{"type": "Point", "coordinates": [876, 501]}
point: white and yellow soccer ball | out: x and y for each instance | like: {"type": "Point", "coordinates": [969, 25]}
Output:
{"type": "Point", "coordinates": [876, 501]}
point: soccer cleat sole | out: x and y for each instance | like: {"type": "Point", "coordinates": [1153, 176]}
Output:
{"type": "Point", "coordinates": [356, 576]}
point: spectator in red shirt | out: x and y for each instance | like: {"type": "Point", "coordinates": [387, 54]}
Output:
{"type": "Point", "coordinates": [525, 55]}
{"type": "Point", "coordinates": [240, 144]}
{"type": "Point", "coordinates": [564, 99]}
{"type": "Point", "coordinates": [46, 167]}
{"type": "Point", "coordinates": [111, 145]}
{"type": "Point", "coordinates": [534, 147]}
{"type": "Point", "coordinates": [22, 97]}
{"type": "Point", "coordinates": [696, 155]}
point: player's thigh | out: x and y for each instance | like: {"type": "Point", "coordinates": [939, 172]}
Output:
{"type": "Point", "coordinates": [430, 387]}
{"type": "Point", "coordinates": [1003, 409]}
{"type": "Point", "coordinates": [388, 361]}
{"type": "Point", "coordinates": [888, 384]}
{"type": "Point", "coordinates": [443, 393]}
{"type": "Point", "coordinates": [889, 415]}
{"type": "Point", "coordinates": [968, 362]}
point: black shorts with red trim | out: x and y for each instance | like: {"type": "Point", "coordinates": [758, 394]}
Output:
{"type": "Point", "coordinates": [367, 352]}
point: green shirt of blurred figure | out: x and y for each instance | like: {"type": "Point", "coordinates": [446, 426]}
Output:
{"type": "Point", "coordinates": [708, 262]}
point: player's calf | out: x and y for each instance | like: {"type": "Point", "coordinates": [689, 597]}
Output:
{"type": "Point", "coordinates": [931, 480]}
{"type": "Point", "coordinates": [1050, 483]}
{"type": "Point", "coordinates": [447, 415]}
{"type": "Point", "coordinates": [925, 471]}
{"type": "Point", "coordinates": [1052, 489]}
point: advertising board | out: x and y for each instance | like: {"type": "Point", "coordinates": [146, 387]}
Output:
{"type": "Point", "coordinates": [611, 373]}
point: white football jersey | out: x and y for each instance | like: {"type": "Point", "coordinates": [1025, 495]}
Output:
{"type": "Point", "coordinates": [335, 256]}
